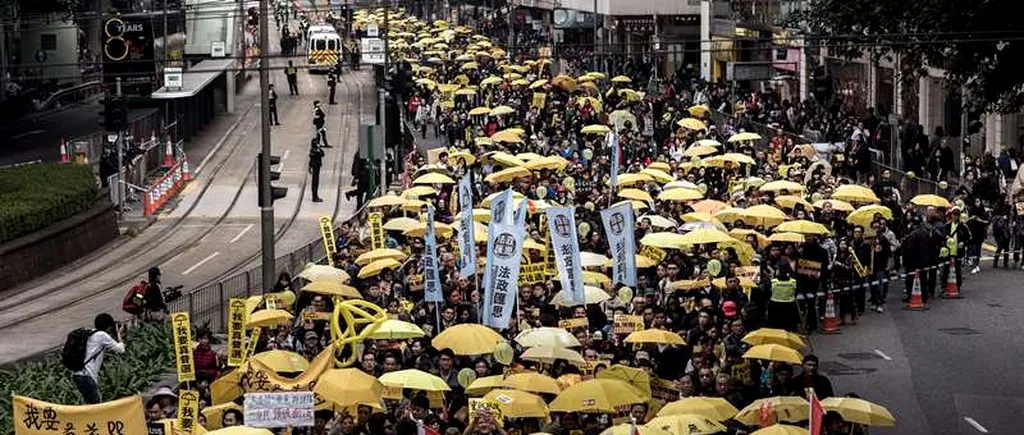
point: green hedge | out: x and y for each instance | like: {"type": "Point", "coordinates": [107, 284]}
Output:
{"type": "Point", "coordinates": [34, 196]}
{"type": "Point", "coordinates": [148, 356]}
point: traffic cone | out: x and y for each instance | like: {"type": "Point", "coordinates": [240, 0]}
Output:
{"type": "Point", "coordinates": [168, 155]}
{"type": "Point", "coordinates": [916, 301]}
{"type": "Point", "coordinates": [64, 157]}
{"type": "Point", "coordinates": [831, 323]}
{"type": "Point", "coordinates": [952, 290]}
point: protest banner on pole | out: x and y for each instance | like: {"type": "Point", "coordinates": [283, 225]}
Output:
{"type": "Point", "coordinates": [182, 330]}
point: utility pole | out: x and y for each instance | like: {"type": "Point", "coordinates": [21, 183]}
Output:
{"type": "Point", "coordinates": [119, 143]}
{"type": "Point", "coordinates": [267, 201]}
{"type": "Point", "coordinates": [511, 29]}
{"type": "Point", "coordinates": [381, 95]}
{"type": "Point", "coordinates": [964, 136]}
{"type": "Point", "coordinates": [597, 42]}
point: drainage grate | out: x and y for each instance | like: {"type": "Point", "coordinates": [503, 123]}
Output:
{"type": "Point", "coordinates": [959, 331]}
{"type": "Point", "coordinates": [836, 368]}
{"type": "Point", "coordinates": [859, 356]}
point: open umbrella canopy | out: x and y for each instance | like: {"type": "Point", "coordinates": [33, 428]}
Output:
{"type": "Point", "coordinates": [413, 379]}
{"type": "Point", "coordinates": [533, 382]}
{"type": "Point", "coordinates": [596, 396]}
{"type": "Point", "coordinates": [481, 386]}
{"type": "Point", "coordinates": [433, 178]}
{"type": "Point", "coordinates": [596, 278]}
{"type": "Point", "coordinates": [468, 339]}
{"type": "Point", "coordinates": [692, 124]}
{"type": "Point", "coordinates": [375, 268]}
{"type": "Point", "coordinates": [930, 200]}
{"type": "Point", "coordinates": [282, 361]}
{"type": "Point", "coordinates": [803, 227]}
{"type": "Point", "coordinates": [347, 387]}
{"type": "Point", "coordinates": [859, 411]}
{"type": "Point", "coordinates": [790, 409]}
{"type": "Point", "coordinates": [418, 191]}
{"type": "Point", "coordinates": [518, 404]}
{"type": "Point", "coordinates": [835, 204]}
{"type": "Point", "coordinates": [763, 214]}
{"type": "Point", "coordinates": [715, 408]}
{"type": "Point", "coordinates": [745, 136]}
{"type": "Point", "coordinates": [635, 377]}
{"type": "Point", "coordinates": [401, 224]}
{"type": "Point", "coordinates": [782, 186]}
{"type": "Point", "coordinates": [867, 214]}
{"type": "Point", "coordinates": [389, 200]}
{"type": "Point", "coordinates": [774, 352]}
{"type": "Point", "coordinates": [855, 193]}
{"type": "Point", "coordinates": [379, 254]}
{"type": "Point", "coordinates": [630, 429]}
{"type": "Point", "coordinates": [659, 336]}
{"type": "Point", "coordinates": [632, 179]}
{"type": "Point", "coordinates": [635, 194]}
{"type": "Point", "coordinates": [330, 288]}
{"type": "Point", "coordinates": [319, 272]}
{"type": "Point", "coordinates": [595, 129]}
{"type": "Point", "coordinates": [590, 259]}
{"type": "Point", "coordinates": [592, 295]}
{"type": "Point", "coordinates": [780, 429]}
{"type": "Point", "coordinates": [680, 195]}
{"type": "Point", "coordinates": [546, 336]}
{"type": "Point", "coordinates": [548, 355]}
{"type": "Point", "coordinates": [699, 151]}
{"type": "Point", "coordinates": [791, 201]}
{"type": "Point", "coordinates": [686, 424]}
{"type": "Point", "coordinates": [775, 336]}
{"type": "Point", "coordinates": [393, 329]}
{"type": "Point", "coordinates": [787, 238]}
{"type": "Point", "coordinates": [267, 318]}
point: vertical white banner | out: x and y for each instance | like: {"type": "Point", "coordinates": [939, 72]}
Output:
{"type": "Point", "coordinates": [467, 229]}
{"type": "Point", "coordinates": [431, 280]}
{"type": "Point", "coordinates": [619, 230]}
{"type": "Point", "coordinates": [501, 208]}
{"type": "Point", "coordinates": [613, 143]}
{"type": "Point", "coordinates": [565, 245]}
{"type": "Point", "coordinates": [501, 278]}
{"type": "Point", "coordinates": [519, 216]}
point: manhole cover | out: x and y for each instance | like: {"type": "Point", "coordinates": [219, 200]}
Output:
{"type": "Point", "coordinates": [835, 368]}
{"type": "Point", "coordinates": [859, 356]}
{"type": "Point", "coordinates": [959, 331]}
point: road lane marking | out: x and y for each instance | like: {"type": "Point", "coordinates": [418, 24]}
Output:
{"type": "Point", "coordinates": [976, 425]}
{"type": "Point", "coordinates": [200, 263]}
{"type": "Point", "coordinates": [280, 166]}
{"type": "Point", "coordinates": [28, 133]}
{"type": "Point", "coordinates": [239, 236]}
{"type": "Point", "coordinates": [883, 355]}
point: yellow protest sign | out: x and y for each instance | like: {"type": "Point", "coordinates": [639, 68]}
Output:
{"type": "Point", "coordinates": [188, 410]}
{"type": "Point", "coordinates": [391, 392]}
{"type": "Point", "coordinates": [236, 331]}
{"type": "Point", "coordinates": [654, 253]}
{"type": "Point", "coordinates": [664, 390]}
{"type": "Point", "coordinates": [327, 234]}
{"type": "Point", "coordinates": [182, 330]}
{"type": "Point", "coordinates": [579, 322]}
{"type": "Point", "coordinates": [376, 221]}
{"type": "Point", "coordinates": [540, 100]}
{"type": "Point", "coordinates": [258, 377]}
{"type": "Point", "coordinates": [415, 282]}
{"type": "Point", "coordinates": [479, 405]}
{"type": "Point", "coordinates": [36, 417]}
{"type": "Point", "coordinates": [254, 337]}
{"type": "Point", "coordinates": [626, 323]}
{"type": "Point", "coordinates": [531, 273]}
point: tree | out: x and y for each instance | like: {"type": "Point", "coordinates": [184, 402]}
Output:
{"type": "Point", "coordinates": [979, 44]}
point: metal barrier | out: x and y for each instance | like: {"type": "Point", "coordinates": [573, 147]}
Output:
{"type": "Point", "coordinates": [67, 97]}
{"type": "Point", "coordinates": [209, 304]}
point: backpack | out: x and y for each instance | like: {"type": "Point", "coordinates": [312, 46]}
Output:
{"type": "Point", "coordinates": [72, 355]}
{"type": "Point", "coordinates": [135, 300]}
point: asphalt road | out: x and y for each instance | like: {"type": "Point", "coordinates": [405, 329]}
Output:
{"type": "Point", "coordinates": [953, 369]}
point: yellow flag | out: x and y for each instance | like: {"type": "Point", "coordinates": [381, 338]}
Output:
{"type": "Point", "coordinates": [188, 410]}
{"type": "Point", "coordinates": [35, 417]}
{"type": "Point", "coordinates": [376, 221]}
{"type": "Point", "coordinates": [236, 331]}
{"type": "Point", "coordinates": [182, 329]}
{"type": "Point", "coordinates": [327, 234]}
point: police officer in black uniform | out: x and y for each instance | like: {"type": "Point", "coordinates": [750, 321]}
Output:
{"type": "Point", "coordinates": [272, 106]}
{"type": "Point", "coordinates": [319, 128]}
{"type": "Point", "coordinates": [316, 158]}
{"type": "Point", "coordinates": [332, 81]}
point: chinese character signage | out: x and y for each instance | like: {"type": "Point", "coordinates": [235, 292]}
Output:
{"type": "Point", "coordinates": [564, 243]}
{"type": "Point", "coordinates": [376, 221]}
{"type": "Point", "coordinates": [613, 143]}
{"type": "Point", "coordinates": [431, 280]}
{"type": "Point", "coordinates": [121, 417]}
{"type": "Point", "coordinates": [188, 410]}
{"type": "Point", "coordinates": [618, 229]}
{"type": "Point", "coordinates": [501, 207]}
{"type": "Point", "coordinates": [467, 242]}
{"type": "Point", "coordinates": [182, 330]}
{"type": "Point", "coordinates": [293, 409]}
{"type": "Point", "coordinates": [236, 331]}
{"type": "Point", "coordinates": [327, 234]}
{"type": "Point", "coordinates": [501, 277]}
{"type": "Point", "coordinates": [254, 337]}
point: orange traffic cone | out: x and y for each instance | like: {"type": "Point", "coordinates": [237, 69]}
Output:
{"type": "Point", "coordinates": [916, 301]}
{"type": "Point", "coordinates": [831, 324]}
{"type": "Point", "coordinates": [952, 290]}
{"type": "Point", "coordinates": [64, 156]}
{"type": "Point", "coordinates": [168, 155]}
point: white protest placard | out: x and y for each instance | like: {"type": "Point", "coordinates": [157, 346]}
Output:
{"type": "Point", "coordinates": [293, 409]}
{"type": "Point", "coordinates": [372, 51]}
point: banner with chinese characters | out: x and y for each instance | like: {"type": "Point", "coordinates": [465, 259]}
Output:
{"type": "Point", "coordinates": [376, 222]}
{"type": "Point", "coordinates": [612, 140]}
{"type": "Point", "coordinates": [120, 417]}
{"type": "Point", "coordinates": [250, 349]}
{"type": "Point", "coordinates": [327, 235]}
{"type": "Point", "coordinates": [431, 280]}
{"type": "Point", "coordinates": [292, 409]}
{"type": "Point", "coordinates": [182, 330]}
{"type": "Point", "coordinates": [236, 331]}
{"type": "Point", "coordinates": [573, 323]}
{"type": "Point", "coordinates": [501, 277]}
{"type": "Point", "coordinates": [653, 252]}
{"type": "Point", "coordinates": [531, 273]}
{"type": "Point", "coordinates": [618, 228]}
{"type": "Point", "coordinates": [501, 207]}
{"type": "Point", "coordinates": [188, 410]}
{"type": "Point", "coordinates": [260, 378]}
{"type": "Point", "coordinates": [477, 405]}
{"type": "Point", "coordinates": [540, 99]}
{"type": "Point", "coordinates": [626, 323]}
{"type": "Point", "coordinates": [467, 241]}
{"type": "Point", "coordinates": [565, 244]}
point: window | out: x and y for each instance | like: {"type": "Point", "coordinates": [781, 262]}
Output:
{"type": "Point", "coordinates": [320, 44]}
{"type": "Point", "coordinates": [48, 41]}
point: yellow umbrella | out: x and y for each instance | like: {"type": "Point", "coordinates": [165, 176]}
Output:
{"type": "Point", "coordinates": [630, 429]}
{"type": "Point", "coordinates": [790, 409]}
{"type": "Point", "coordinates": [505, 159]}
{"type": "Point", "coordinates": [709, 206]}
{"type": "Point", "coordinates": [664, 240]}
{"type": "Point", "coordinates": [348, 387]}
{"type": "Point", "coordinates": [518, 404]}
{"type": "Point", "coordinates": [597, 75]}
{"type": "Point", "coordinates": [740, 158]}
{"type": "Point", "coordinates": [331, 288]}
{"type": "Point", "coordinates": [470, 65]}
{"type": "Point", "coordinates": [631, 179]}
{"type": "Point", "coordinates": [780, 429]}
{"type": "Point", "coordinates": [739, 137]}
{"type": "Point", "coordinates": [463, 155]}
{"type": "Point", "coordinates": [596, 278]}
{"type": "Point", "coordinates": [375, 268]}
{"type": "Point", "coordinates": [782, 185]}
{"type": "Point", "coordinates": [556, 163]}
{"type": "Point", "coordinates": [538, 83]}
{"type": "Point", "coordinates": [393, 329]}
{"type": "Point", "coordinates": [506, 136]}
{"type": "Point", "coordinates": [413, 379]}
{"type": "Point", "coordinates": [762, 215]}
{"type": "Point", "coordinates": [481, 386]}
{"type": "Point", "coordinates": [659, 336]}
{"type": "Point", "coordinates": [686, 424]}
{"type": "Point", "coordinates": [520, 82]}
{"type": "Point", "coordinates": [533, 382]}
{"type": "Point", "coordinates": [477, 111]}
{"type": "Point", "coordinates": [745, 283]}
{"type": "Point", "coordinates": [320, 272]}
{"type": "Point", "coordinates": [715, 408]}
{"type": "Point", "coordinates": [267, 318]}
{"type": "Point", "coordinates": [508, 174]}
{"type": "Point", "coordinates": [418, 191]}
{"type": "Point", "coordinates": [859, 411]}
{"type": "Point", "coordinates": [502, 110]}
{"type": "Point", "coordinates": [635, 194]}
{"type": "Point", "coordinates": [803, 226]}
{"type": "Point", "coordinates": [492, 80]}
{"type": "Point", "coordinates": [699, 110]}
{"type": "Point", "coordinates": [774, 352]}
{"type": "Point", "coordinates": [546, 336]}
{"type": "Point", "coordinates": [774, 336]}
{"type": "Point", "coordinates": [855, 193]}
{"type": "Point", "coordinates": [867, 214]}
{"type": "Point", "coordinates": [388, 200]}
{"type": "Point", "coordinates": [482, 141]}
{"type": "Point", "coordinates": [658, 221]}
{"type": "Point", "coordinates": [433, 178]}
{"type": "Point", "coordinates": [791, 201]}
{"type": "Point", "coordinates": [487, 201]}
{"type": "Point", "coordinates": [621, 79]}
{"type": "Point", "coordinates": [699, 151]}
{"type": "Point", "coordinates": [468, 339]}
{"type": "Point", "coordinates": [930, 200]}
{"type": "Point", "coordinates": [658, 175]}
{"type": "Point", "coordinates": [630, 95]}
{"type": "Point", "coordinates": [708, 143]}
{"type": "Point", "coordinates": [742, 233]}
{"type": "Point", "coordinates": [480, 215]}
{"type": "Point", "coordinates": [465, 91]}
{"type": "Point", "coordinates": [401, 224]}
{"type": "Point", "coordinates": [548, 355]}
{"type": "Point", "coordinates": [661, 166]}
{"type": "Point", "coordinates": [786, 238]}
{"type": "Point", "coordinates": [592, 295]}
{"type": "Point", "coordinates": [596, 395]}
{"type": "Point", "coordinates": [699, 216]}
{"type": "Point", "coordinates": [214, 414]}
{"type": "Point", "coordinates": [378, 254]}
{"type": "Point", "coordinates": [692, 124]}
{"type": "Point", "coordinates": [420, 230]}
{"type": "Point", "coordinates": [836, 205]}
{"type": "Point", "coordinates": [227, 388]}
{"type": "Point", "coordinates": [595, 129]}
{"type": "Point", "coordinates": [702, 236]}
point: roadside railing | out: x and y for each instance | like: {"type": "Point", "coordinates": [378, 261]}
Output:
{"type": "Point", "coordinates": [64, 98]}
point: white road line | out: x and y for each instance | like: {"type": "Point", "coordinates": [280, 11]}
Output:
{"type": "Point", "coordinates": [280, 167]}
{"type": "Point", "coordinates": [976, 425]}
{"type": "Point", "coordinates": [883, 355]}
{"type": "Point", "coordinates": [239, 236]}
{"type": "Point", "coordinates": [200, 263]}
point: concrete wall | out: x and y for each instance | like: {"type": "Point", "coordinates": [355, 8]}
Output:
{"type": "Point", "coordinates": [654, 7]}
{"type": "Point", "coordinates": [49, 249]}
{"type": "Point", "coordinates": [61, 62]}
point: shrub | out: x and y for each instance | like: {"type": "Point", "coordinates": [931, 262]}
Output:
{"type": "Point", "coordinates": [34, 196]}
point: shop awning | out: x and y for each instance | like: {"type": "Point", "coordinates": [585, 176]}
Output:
{"type": "Point", "coordinates": [195, 79]}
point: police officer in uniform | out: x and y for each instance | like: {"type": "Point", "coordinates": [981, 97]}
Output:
{"type": "Point", "coordinates": [782, 308]}
{"type": "Point", "coordinates": [332, 81]}
{"type": "Point", "coordinates": [316, 158]}
{"type": "Point", "coordinates": [293, 78]}
{"type": "Point", "coordinates": [319, 127]}
{"type": "Point", "coordinates": [272, 106]}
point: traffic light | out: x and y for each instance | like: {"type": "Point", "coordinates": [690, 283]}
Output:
{"type": "Point", "coordinates": [115, 113]}
{"type": "Point", "coordinates": [276, 193]}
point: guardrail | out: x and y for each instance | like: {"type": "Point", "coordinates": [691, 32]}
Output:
{"type": "Point", "coordinates": [67, 97]}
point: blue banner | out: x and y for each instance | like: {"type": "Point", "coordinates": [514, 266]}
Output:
{"type": "Point", "coordinates": [613, 143]}
{"type": "Point", "coordinates": [501, 207]}
{"type": "Point", "coordinates": [564, 242]}
{"type": "Point", "coordinates": [501, 277]}
{"type": "Point", "coordinates": [467, 229]}
{"type": "Point", "coordinates": [619, 230]}
{"type": "Point", "coordinates": [431, 280]}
